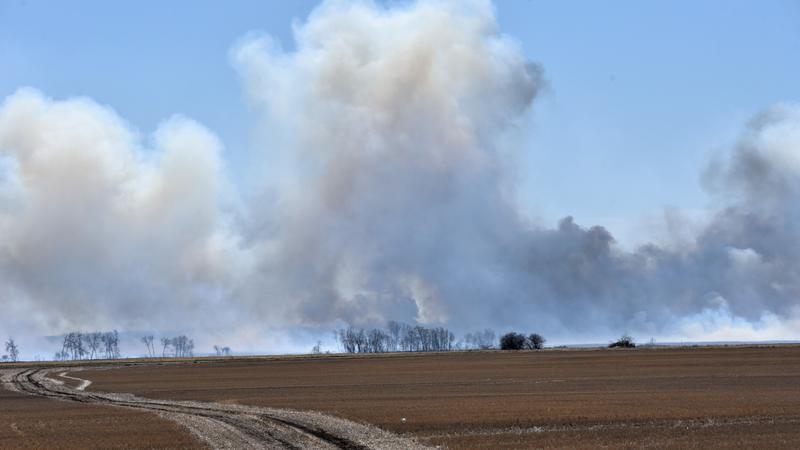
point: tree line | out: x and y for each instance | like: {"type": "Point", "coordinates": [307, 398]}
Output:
{"type": "Point", "coordinates": [402, 337]}
{"type": "Point", "coordinates": [95, 345]}
{"type": "Point", "coordinates": [176, 347]}
{"type": "Point", "coordinates": [397, 337]}
{"type": "Point", "coordinates": [78, 345]}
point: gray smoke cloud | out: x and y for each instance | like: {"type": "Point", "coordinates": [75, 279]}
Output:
{"type": "Point", "coordinates": [99, 231]}
{"type": "Point", "coordinates": [389, 194]}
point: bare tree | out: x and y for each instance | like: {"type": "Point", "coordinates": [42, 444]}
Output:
{"type": "Point", "coordinates": [77, 345]}
{"type": "Point", "coordinates": [72, 347]}
{"type": "Point", "coordinates": [348, 339]}
{"type": "Point", "coordinates": [399, 336]}
{"type": "Point", "coordinates": [182, 346]}
{"type": "Point", "coordinates": [222, 351]}
{"type": "Point", "coordinates": [110, 342]}
{"type": "Point", "coordinates": [166, 343]}
{"type": "Point", "coordinates": [480, 340]}
{"type": "Point", "coordinates": [93, 342]}
{"type": "Point", "coordinates": [536, 341]}
{"type": "Point", "coordinates": [148, 343]}
{"type": "Point", "coordinates": [12, 349]}
{"type": "Point", "coordinates": [377, 341]}
{"type": "Point", "coordinates": [394, 329]}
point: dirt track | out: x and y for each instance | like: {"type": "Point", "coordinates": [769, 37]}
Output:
{"type": "Point", "coordinates": [225, 426]}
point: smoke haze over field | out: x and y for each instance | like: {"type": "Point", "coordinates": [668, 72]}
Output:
{"type": "Point", "coordinates": [390, 141]}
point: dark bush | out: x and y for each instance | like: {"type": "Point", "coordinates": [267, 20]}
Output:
{"type": "Point", "coordinates": [536, 341]}
{"type": "Point", "coordinates": [624, 342]}
{"type": "Point", "coordinates": [513, 341]}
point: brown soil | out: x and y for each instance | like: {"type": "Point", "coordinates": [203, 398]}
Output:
{"type": "Point", "coordinates": [737, 397]}
{"type": "Point", "coordinates": [221, 426]}
{"type": "Point", "coordinates": [28, 422]}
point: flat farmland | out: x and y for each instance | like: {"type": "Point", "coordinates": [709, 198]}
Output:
{"type": "Point", "coordinates": [722, 397]}
{"type": "Point", "coordinates": [28, 422]}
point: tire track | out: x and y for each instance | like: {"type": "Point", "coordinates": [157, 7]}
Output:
{"type": "Point", "coordinates": [229, 426]}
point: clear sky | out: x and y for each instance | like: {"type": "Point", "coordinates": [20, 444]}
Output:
{"type": "Point", "coordinates": [649, 89]}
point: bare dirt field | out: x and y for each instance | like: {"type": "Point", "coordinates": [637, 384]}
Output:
{"type": "Point", "coordinates": [736, 397]}
{"type": "Point", "coordinates": [721, 397]}
{"type": "Point", "coordinates": [28, 422]}
{"type": "Point", "coordinates": [216, 425]}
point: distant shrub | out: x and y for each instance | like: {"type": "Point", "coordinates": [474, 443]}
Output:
{"type": "Point", "coordinates": [624, 342]}
{"type": "Point", "coordinates": [536, 341]}
{"type": "Point", "coordinates": [513, 341]}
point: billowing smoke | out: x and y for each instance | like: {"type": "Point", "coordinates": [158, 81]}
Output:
{"type": "Point", "coordinates": [390, 141]}
{"type": "Point", "coordinates": [398, 206]}
{"type": "Point", "coordinates": [99, 230]}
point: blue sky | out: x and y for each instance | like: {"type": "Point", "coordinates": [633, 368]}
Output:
{"type": "Point", "coordinates": [648, 89]}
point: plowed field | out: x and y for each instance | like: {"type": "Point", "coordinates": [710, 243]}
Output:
{"type": "Point", "coordinates": [721, 397]}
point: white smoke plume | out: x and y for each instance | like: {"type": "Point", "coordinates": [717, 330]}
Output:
{"type": "Point", "coordinates": [397, 207]}
{"type": "Point", "coordinates": [389, 136]}
{"type": "Point", "coordinates": [100, 231]}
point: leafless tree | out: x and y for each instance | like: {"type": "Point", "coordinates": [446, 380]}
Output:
{"type": "Point", "coordinates": [166, 343]}
{"type": "Point", "coordinates": [93, 342]}
{"type": "Point", "coordinates": [377, 341]}
{"type": "Point", "coordinates": [480, 340]}
{"type": "Point", "coordinates": [181, 345]}
{"type": "Point", "coordinates": [222, 351]}
{"type": "Point", "coordinates": [348, 339]}
{"type": "Point", "coordinates": [77, 345]}
{"type": "Point", "coordinates": [110, 342]}
{"type": "Point", "coordinates": [12, 349]}
{"type": "Point", "coordinates": [73, 348]}
{"type": "Point", "coordinates": [148, 343]}
{"type": "Point", "coordinates": [394, 329]}
{"type": "Point", "coordinates": [398, 337]}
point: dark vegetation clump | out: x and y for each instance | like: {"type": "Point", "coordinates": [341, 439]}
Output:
{"type": "Point", "coordinates": [518, 341]}
{"type": "Point", "coordinates": [512, 341]}
{"type": "Point", "coordinates": [536, 341]}
{"type": "Point", "coordinates": [624, 342]}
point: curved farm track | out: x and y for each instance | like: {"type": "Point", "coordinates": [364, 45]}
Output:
{"type": "Point", "coordinates": [226, 426]}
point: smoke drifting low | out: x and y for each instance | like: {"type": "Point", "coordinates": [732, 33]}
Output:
{"type": "Point", "coordinates": [391, 197]}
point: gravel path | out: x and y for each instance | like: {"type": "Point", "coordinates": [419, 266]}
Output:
{"type": "Point", "coordinates": [225, 426]}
